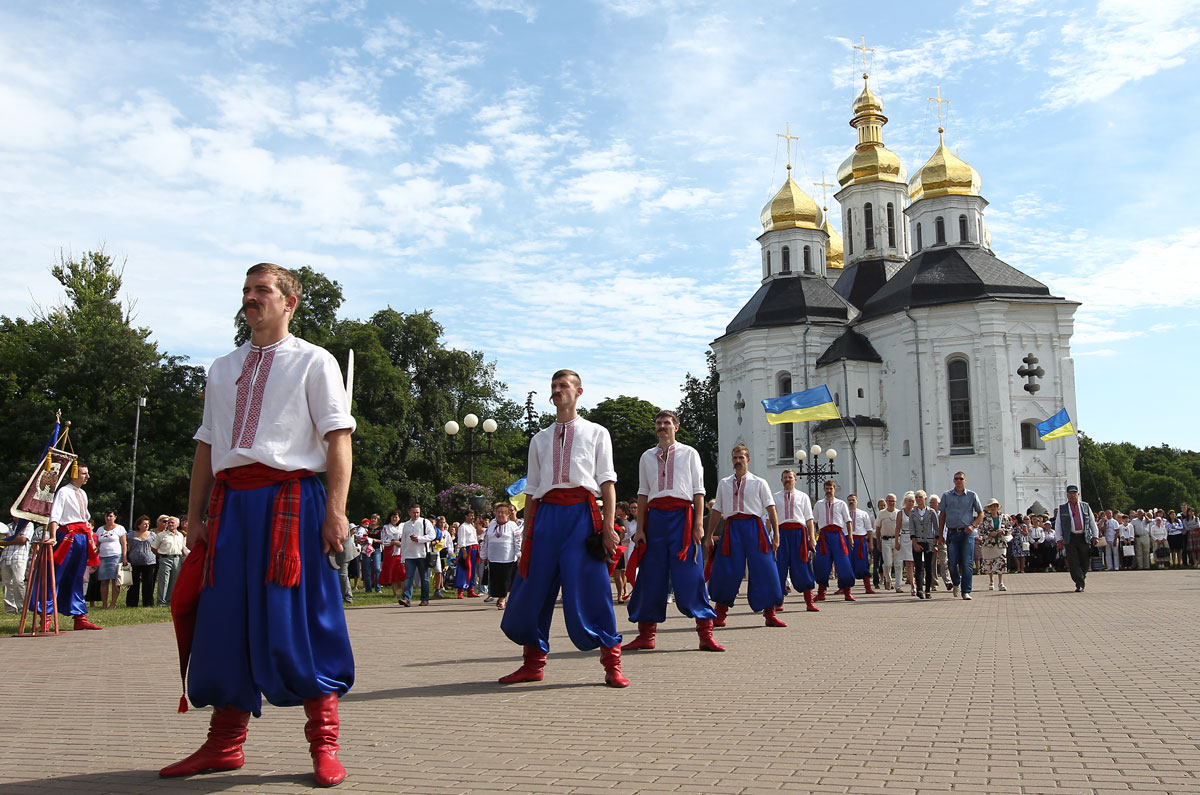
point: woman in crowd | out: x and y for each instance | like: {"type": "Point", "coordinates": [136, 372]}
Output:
{"type": "Point", "coordinates": [502, 549]}
{"type": "Point", "coordinates": [1019, 548]}
{"type": "Point", "coordinates": [903, 542]}
{"type": "Point", "coordinates": [1191, 529]}
{"type": "Point", "coordinates": [922, 523]}
{"type": "Point", "coordinates": [144, 563]}
{"type": "Point", "coordinates": [441, 533]}
{"type": "Point", "coordinates": [623, 540]}
{"type": "Point", "coordinates": [113, 555]}
{"type": "Point", "coordinates": [1037, 541]}
{"type": "Point", "coordinates": [995, 535]}
{"type": "Point", "coordinates": [1176, 540]}
{"type": "Point", "coordinates": [1158, 540]}
{"type": "Point", "coordinates": [1125, 536]}
{"type": "Point", "coordinates": [390, 537]}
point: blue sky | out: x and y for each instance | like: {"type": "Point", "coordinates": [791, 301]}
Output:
{"type": "Point", "coordinates": [579, 183]}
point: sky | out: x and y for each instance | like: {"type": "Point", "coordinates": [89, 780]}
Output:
{"type": "Point", "coordinates": [578, 183]}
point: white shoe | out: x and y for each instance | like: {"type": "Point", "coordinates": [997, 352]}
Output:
{"type": "Point", "coordinates": [912, 591]}
{"type": "Point", "coordinates": [956, 592]}
{"type": "Point", "coordinates": [1003, 587]}
{"type": "Point", "coordinates": [967, 596]}
{"type": "Point", "coordinates": [991, 586]}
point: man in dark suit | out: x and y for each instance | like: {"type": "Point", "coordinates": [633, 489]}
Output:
{"type": "Point", "coordinates": [1075, 533]}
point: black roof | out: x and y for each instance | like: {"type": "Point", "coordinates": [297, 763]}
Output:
{"type": "Point", "coordinates": [788, 301]}
{"type": "Point", "coordinates": [861, 280]}
{"type": "Point", "coordinates": [851, 345]}
{"type": "Point", "coordinates": [952, 275]}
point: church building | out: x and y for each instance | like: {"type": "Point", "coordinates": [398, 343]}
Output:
{"type": "Point", "coordinates": [940, 357]}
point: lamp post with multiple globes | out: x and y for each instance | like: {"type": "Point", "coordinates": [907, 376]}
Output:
{"type": "Point", "coordinates": [471, 451]}
{"type": "Point", "coordinates": [816, 472]}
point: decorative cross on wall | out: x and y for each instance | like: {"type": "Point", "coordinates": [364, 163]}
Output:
{"type": "Point", "coordinates": [1031, 372]}
{"type": "Point", "coordinates": [739, 404]}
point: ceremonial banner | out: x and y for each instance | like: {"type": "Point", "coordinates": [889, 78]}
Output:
{"type": "Point", "coordinates": [38, 494]}
{"type": "Point", "coordinates": [811, 404]}
{"type": "Point", "coordinates": [1056, 427]}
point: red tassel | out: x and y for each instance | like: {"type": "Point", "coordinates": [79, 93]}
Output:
{"type": "Point", "coordinates": [183, 703]}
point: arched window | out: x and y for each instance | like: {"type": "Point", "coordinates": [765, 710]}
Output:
{"type": "Point", "coordinates": [918, 237]}
{"type": "Point", "coordinates": [891, 222]}
{"type": "Point", "coordinates": [869, 225]}
{"type": "Point", "coordinates": [959, 383]}
{"type": "Point", "coordinates": [787, 260]}
{"type": "Point", "coordinates": [768, 262]}
{"type": "Point", "coordinates": [837, 399]}
{"type": "Point", "coordinates": [905, 451]}
{"type": "Point", "coordinates": [1030, 438]}
{"type": "Point", "coordinates": [962, 229]}
{"type": "Point", "coordinates": [787, 438]}
{"type": "Point", "coordinates": [849, 234]}
{"type": "Point", "coordinates": [808, 268]}
{"type": "Point", "coordinates": [939, 229]}
{"type": "Point", "coordinates": [860, 392]}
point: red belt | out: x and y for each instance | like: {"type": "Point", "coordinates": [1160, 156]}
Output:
{"type": "Point", "coordinates": [677, 504]}
{"type": "Point", "coordinates": [862, 551]}
{"type": "Point", "coordinates": [804, 541]}
{"type": "Point", "coordinates": [76, 529]}
{"type": "Point", "coordinates": [571, 496]}
{"type": "Point", "coordinates": [832, 528]}
{"type": "Point", "coordinates": [764, 545]}
{"type": "Point", "coordinates": [284, 562]}
{"type": "Point", "coordinates": [791, 525]}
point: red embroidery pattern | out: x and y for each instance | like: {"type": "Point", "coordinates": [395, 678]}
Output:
{"type": "Point", "coordinates": [739, 496]}
{"type": "Point", "coordinates": [564, 438]}
{"type": "Point", "coordinates": [246, 415]}
{"type": "Point", "coordinates": [243, 393]}
{"type": "Point", "coordinates": [666, 469]}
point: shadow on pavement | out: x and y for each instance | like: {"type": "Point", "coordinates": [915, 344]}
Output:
{"type": "Point", "coordinates": [145, 780]}
{"type": "Point", "coordinates": [489, 687]}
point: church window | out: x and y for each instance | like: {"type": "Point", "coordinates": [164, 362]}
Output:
{"type": "Point", "coordinates": [959, 383]}
{"type": "Point", "coordinates": [808, 268]}
{"type": "Point", "coordinates": [939, 230]}
{"type": "Point", "coordinates": [962, 229]}
{"type": "Point", "coordinates": [1030, 438]}
{"type": "Point", "coordinates": [860, 392]}
{"type": "Point", "coordinates": [787, 260]}
{"type": "Point", "coordinates": [869, 225]}
{"type": "Point", "coordinates": [905, 450]}
{"type": "Point", "coordinates": [891, 223]}
{"type": "Point", "coordinates": [768, 262]}
{"type": "Point", "coordinates": [849, 234]}
{"type": "Point", "coordinates": [787, 438]}
{"type": "Point", "coordinates": [918, 237]}
{"type": "Point", "coordinates": [837, 399]}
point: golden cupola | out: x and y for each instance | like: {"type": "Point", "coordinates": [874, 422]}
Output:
{"type": "Point", "coordinates": [834, 250]}
{"type": "Point", "coordinates": [791, 208]}
{"type": "Point", "coordinates": [871, 161]}
{"type": "Point", "coordinates": [944, 174]}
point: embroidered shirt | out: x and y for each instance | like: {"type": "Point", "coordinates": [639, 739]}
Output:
{"type": "Point", "coordinates": [570, 454]}
{"type": "Point", "coordinates": [70, 505]}
{"type": "Point", "coordinates": [501, 543]}
{"type": "Point", "coordinates": [793, 506]}
{"type": "Point", "coordinates": [832, 513]}
{"type": "Point", "coordinates": [674, 472]}
{"type": "Point", "coordinates": [750, 494]}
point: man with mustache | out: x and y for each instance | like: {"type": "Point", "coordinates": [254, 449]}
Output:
{"type": "Point", "coordinates": [269, 617]}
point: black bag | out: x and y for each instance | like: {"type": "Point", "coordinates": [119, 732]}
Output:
{"type": "Point", "coordinates": [1162, 553]}
{"type": "Point", "coordinates": [430, 556]}
{"type": "Point", "coordinates": [594, 543]}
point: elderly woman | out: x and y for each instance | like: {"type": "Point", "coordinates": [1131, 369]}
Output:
{"type": "Point", "coordinates": [923, 529]}
{"type": "Point", "coordinates": [145, 565]}
{"type": "Point", "coordinates": [113, 555]}
{"type": "Point", "coordinates": [1019, 548]}
{"type": "Point", "coordinates": [995, 537]}
{"type": "Point", "coordinates": [903, 544]}
{"type": "Point", "coordinates": [1191, 527]}
{"type": "Point", "coordinates": [391, 538]}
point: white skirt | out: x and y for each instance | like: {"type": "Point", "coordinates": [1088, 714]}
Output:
{"type": "Point", "coordinates": [905, 554]}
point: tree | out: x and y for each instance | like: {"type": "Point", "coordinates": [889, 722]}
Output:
{"type": "Point", "coordinates": [1100, 486]}
{"type": "Point", "coordinates": [630, 423]}
{"type": "Point", "coordinates": [698, 416]}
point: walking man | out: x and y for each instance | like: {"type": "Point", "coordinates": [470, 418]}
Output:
{"type": "Point", "coordinates": [269, 620]}
{"type": "Point", "coordinates": [834, 519]}
{"type": "Point", "coordinates": [885, 534]}
{"type": "Point", "coordinates": [75, 551]}
{"type": "Point", "coordinates": [671, 497]}
{"type": "Point", "coordinates": [570, 465]}
{"type": "Point", "coordinates": [743, 499]}
{"type": "Point", "coordinates": [168, 546]}
{"type": "Point", "coordinates": [1074, 534]}
{"type": "Point", "coordinates": [959, 518]}
{"type": "Point", "coordinates": [13, 561]}
{"type": "Point", "coordinates": [797, 535]}
{"type": "Point", "coordinates": [418, 532]}
{"type": "Point", "coordinates": [861, 536]}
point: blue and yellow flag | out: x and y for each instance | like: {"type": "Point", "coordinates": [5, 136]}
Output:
{"type": "Point", "coordinates": [1056, 427]}
{"type": "Point", "coordinates": [516, 493]}
{"type": "Point", "coordinates": [811, 404]}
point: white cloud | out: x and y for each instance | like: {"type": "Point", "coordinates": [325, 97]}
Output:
{"type": "Point", "coordinates": [469, 156]}
{"type": "Point", "coordinates": [683, 199]}
{"type": "Point", "coordinates": [521, 7]}
{"type": "Point", "coordinates": [247, 22]}
{"type": "Point", "coordinates": [602, 191]}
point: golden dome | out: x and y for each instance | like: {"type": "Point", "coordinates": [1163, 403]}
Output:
{"type": "Point", "coordinates": [944, 174]}
{"type": "Point", "coordinates": [834, 256]}
{"type": "Point", "coordinates": [871, 161]}
{"type": "Point", "coordinates": [791, 208]}
{"type": "Point", "coordinates": [867, 102]}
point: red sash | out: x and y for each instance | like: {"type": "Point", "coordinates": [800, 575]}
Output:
{"type": "Point", "coordinates": [677, 504]}
{"type": "Point", "coordinates": [803, 539]}
{"type": "Point", "coordinates": [832, 528]}
{"type": "Point", "coordinates": [284, 565]}
{"type": "Point", "coordinates": [764, 544]}
{"type": "Point", "coordinates": [571, 496]}
{"type": "Point", "coordinates": [73, 529]}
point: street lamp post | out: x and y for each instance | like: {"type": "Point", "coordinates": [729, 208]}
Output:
{"type": "Point", "coordinates": [816, 471]}
{"type": "Point", "coordinates": [137, 423]}
{"type": "Point", "coordinates": [471, 452]}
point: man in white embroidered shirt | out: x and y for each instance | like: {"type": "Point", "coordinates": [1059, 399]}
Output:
{"type": "Point", "coordinates": [268, 617]}
{"type": "Point", "coordinates": [566, 539]}
{"type": "Point", "coordinates": [671, 497]}
{"type": "Point", "coordinates": [797, 535]}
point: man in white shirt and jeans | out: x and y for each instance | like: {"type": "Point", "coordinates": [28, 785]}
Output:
{"type": "Point", "coordinates": [414, 546]}
{"type": "Point", "coordinates": [13, 562]}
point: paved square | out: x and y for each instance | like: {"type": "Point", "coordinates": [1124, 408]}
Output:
{"type": "Point", "coordinates": [1033, 690]}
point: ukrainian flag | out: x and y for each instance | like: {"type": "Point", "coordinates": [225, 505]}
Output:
{"type": "Point", "coordinates": [811, 404]}
{"type": "Point", "coordinates": [516, 493]}
{"type": "Point", "coordinates": [1056, 427]}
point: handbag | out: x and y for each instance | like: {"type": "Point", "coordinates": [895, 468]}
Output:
{"type": "Point", "coordinates": [431, 554]}
{"type": "Point", "coordinates": [1162, 553]}
{"type": "Point", "coordinates": [126, 578]}
{"type": "Point", "coordinates": [1024, 546]}
{"type": "Point", "coordinates": [1101, 542]}
{"type": "Point", "coordinates": [594, 543]}
{"type": "Point", "coordinates": [1127, 550]}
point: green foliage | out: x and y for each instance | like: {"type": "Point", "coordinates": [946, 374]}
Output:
{"type": "Point", "coordinates": [630, 422]}
{"type": "Point", "coordinates": [1120, 476]}
{"type": "Point", "coordinates": [698, 419]}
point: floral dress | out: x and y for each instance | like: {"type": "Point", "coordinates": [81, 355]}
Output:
{"type": "Point", "coordinates": [1017, 547]}
{"type": "Point", "coordinates": [994, 552]}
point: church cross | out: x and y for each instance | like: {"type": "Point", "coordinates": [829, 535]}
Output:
{"type": "Point", "coordinates": [823, 185]}
{"type": "Point", "coordinates": [787, 136]}
{"type": "Point", "coordinates": [865, 49]}
{"type": "Point", "coordinates": [938, 99]}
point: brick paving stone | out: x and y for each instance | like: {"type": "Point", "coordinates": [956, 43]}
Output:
{"type": "Point", "coordinates": [995, 710]}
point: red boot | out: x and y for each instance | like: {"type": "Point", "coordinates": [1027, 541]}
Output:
{"type": "Point", "coordinates": [471, 593]}
{"type": "Point", "coordinates": [704, 628]}
{"type": "Point", "coordinates": [772, 621]}
{"type": "Point", "coordinates": [820, 593]}
{"type": "Point", "coordinates": [81, 622]}
{"type": "Point", "coordinates": [460, 593]}
{"type": "Point", "coordinates": [809, 605]}
{"type": "Point", "coordinates": [531, 668]}
{"type": "Point", "coordinates": [867, 585]}
{"type": "Point", "coordinates": [849, 596]}
{"type": "Point", "coordinates": [722, 611]}
{"type": "Point", "coordinates": [321, 731]}
{"type": "Point", "coordinates": [610, 658]}
{"type": "Point", "coordinates": [645, 639]}
{"type": "Point", "coordinates": [221, 751]}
